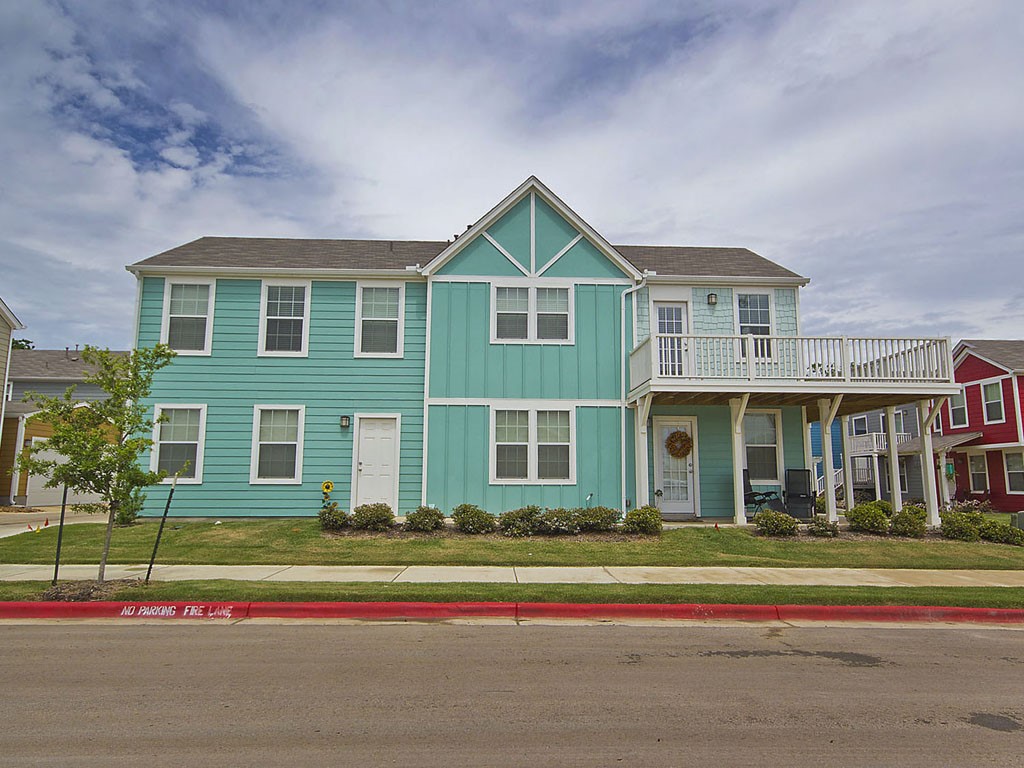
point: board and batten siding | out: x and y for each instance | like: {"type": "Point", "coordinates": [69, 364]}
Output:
{"type": "Point", "coordinates": [330, 383]}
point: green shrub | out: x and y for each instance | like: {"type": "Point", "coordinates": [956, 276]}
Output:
{"type": "Point", "coordinates": [820, 526]}
{"type": "Point", "coordinates": [983, 507]}
{"type": "Point", "coordinates": [332, 518]}
{"type": "Point", "coordinates": [646, 520]}
{"type": "Point", "coordinates": [772, 523]}
{"type": "Point", "coordinates": [372, 517]}
{"type": "Point", "coordinates": [820, 504]}
{"type": "Point", "coordinates": [559, 521]}
{"type": "Point", "coordinates": [962, 526]}
{"type": "Point", "coordinates": [1001, 533]}
{"type": "Point", "coordinates": [971, 511]}
{"type": "Point", "coordinates": [868, 518]}
{"type": "Point", "coordinates": [883, 505]}
{"type": "Point", "coordinates": [597, 519]}
{"type": "Point", "coordinates": [524, 521]}
{"type": "Point", "coordinates": [911, 521]}
{"type": "Point", "coordinates": [469, 518]}
{"type": "Point", "coordinates": [425, 519]}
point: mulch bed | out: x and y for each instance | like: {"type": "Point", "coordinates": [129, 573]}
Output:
{"type": "Point", "coordinates": [19, 510]}
{"type": "Point", "coordinates": [450, 533]}
{"type": "Point", "coordinates": [86, 591]}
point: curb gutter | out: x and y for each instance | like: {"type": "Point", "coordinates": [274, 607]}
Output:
{"type": "Point", "coordinates": [201, 611]}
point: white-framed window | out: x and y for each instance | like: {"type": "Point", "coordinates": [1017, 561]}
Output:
{"type": "Point", "coordinates": [277, 433]}
{"type": "Point", "coordinates": [754, 317]}
{"type": "Point", "coordinates": [1013, 463]}
{"type": "Point", "coordinates": [897, 419]}
{"type": "Point", "coordinates": [992, 402]}
{"type": "Point", "coordinates": [762, 438]}
{"type": "Point", "coordinates": [958, 409]}
{"type": "Point", "coordinates": [642, 316]}
{"type": "Point", "coordinates": [179, 440]}
{"type": "Point", "coordinates": [284, 318]}
{"type": "Point", "coordinates": [860, 425]}
{"type": "Point", "coordinates": [532, 314]}
{"type": "Point", "coordinates": [904, 476]}
{"type": "Point", "coordinates": [533, 445]}
{"type": "Point", "coordinates": [9, 391]}
{"type": "Point", "coordinates": [187, 325]}
{"type": "Point", "coordinates": [380, 319]}
{"type": "Point", "coordinates": [863, 470]}
{"type": "Point", "coordinates": [978, 469]}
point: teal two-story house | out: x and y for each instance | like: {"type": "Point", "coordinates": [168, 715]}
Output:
{"type": "Point", "coordinates": [529, 361]}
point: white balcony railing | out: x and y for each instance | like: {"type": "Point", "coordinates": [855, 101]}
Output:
{"type": "Point", "coordinates": [681, 357]}
{"type": "Point", "coordinates": [875, 442]}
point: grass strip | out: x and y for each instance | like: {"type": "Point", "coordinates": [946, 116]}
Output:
{"type": "Point", "coordinates": [246, 591]}
{"type": "Point", "coordinates": [299, 541]}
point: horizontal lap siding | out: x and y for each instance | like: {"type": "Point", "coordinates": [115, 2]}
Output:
{"type": "Point", "coordinates": [459, 470]}
{"type": "Point", "coordinates": [330, 383]}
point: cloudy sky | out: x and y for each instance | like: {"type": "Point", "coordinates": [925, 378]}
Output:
{"type": "Point", "coordinates": [875, 147]}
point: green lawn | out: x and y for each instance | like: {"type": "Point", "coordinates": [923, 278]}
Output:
{"type": "Point", "coordinates": [299, 541]}
{"type": "Point", "coordinates": [245, 591]}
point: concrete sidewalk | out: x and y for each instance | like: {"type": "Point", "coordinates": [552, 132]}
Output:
{"type": "Point", "coordinates": [420, 574]}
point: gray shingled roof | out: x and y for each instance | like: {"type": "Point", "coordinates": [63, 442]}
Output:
{"type": "Point", "coordinates": [58, 364]}
{"type": "Point", "coordinates": [1007, 352]}
{"type": "Point", "coordinates": [260, 252]}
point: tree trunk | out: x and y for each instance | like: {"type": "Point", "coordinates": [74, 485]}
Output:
{"type": "Point", "coordinates": [106, 540]}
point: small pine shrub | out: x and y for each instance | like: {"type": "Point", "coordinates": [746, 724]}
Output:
{"type": "Point", "coordinates": [645, 520]}
{"type": "Point", "coordinates": [469, 518]}
{"type": "Point", "coordinates": [559, 521]}
{"type": "Point", "coordinates": [524, 521]}
{"type": "Point", "coordinates": [962, 526]}
{"type": "Point", "coordinates": [332, 518]}
{"type": "Point", "coordinates": [820, 526]}
{"type": "Point", "coordinates": [597, 519]}
{"type": "Point", "coordinates": [868, 518]}
{"type": "Point", "coordinates": [911, 521]}
{"type": "Point", "coordinates": [372, 517]}
{"type": "Point", "coordinates": [1001, 533]}
{"type": "Point", "coordinates": [425, 520]}
{"type": "Point", "coordinates": [772, 523]}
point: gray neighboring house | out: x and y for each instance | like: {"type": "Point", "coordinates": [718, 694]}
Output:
{"type": "Point", "coordinates": [45, 372]}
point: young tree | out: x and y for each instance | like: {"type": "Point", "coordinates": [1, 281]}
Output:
{"type": "Point", "coordinates": [101, 442]}
{"type": "Point", "coordinates": [22, 344]}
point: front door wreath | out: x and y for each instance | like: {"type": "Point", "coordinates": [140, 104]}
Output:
{"type": "Point", "coordinates": [679, 444]}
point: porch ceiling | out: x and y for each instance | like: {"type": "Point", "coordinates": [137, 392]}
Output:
{"type": "Point", "coordinates": [853, 402]}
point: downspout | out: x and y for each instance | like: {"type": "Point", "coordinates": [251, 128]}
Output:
{"type": "Point", "coordinates": [622, 379]}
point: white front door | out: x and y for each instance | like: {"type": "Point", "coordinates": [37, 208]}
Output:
{"type": "Point", "coordinates": [673, 477]}
{"type": "Point", "coordinates": [376, 469]}
{"type": "Point", "coordinates": [673, 350]}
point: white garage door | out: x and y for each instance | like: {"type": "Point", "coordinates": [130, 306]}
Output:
{"type": "Point", "coordinates": [39, 496]}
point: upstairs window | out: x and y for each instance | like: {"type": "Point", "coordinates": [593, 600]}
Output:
{"type": "Point", "coordinates": [178, 446]}
{"type": "Point", "coordinates": [860, 425]}
{"type": "Point", "coordinates": [992, 397]}
{"type": "Point", "coordinates": [379, 321]}
{"type": "Point", "coordinates": [958, 409]}
{"type": "Point", "coordinates": [284, 326]}
{"type": "Point", "coordinates": [187, 326]}
{"type": "Point", "coordinates": [754, 317]}
{"type": "Point", "coordinates": [541, 315]}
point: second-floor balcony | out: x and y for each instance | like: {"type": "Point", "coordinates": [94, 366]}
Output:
{"type": "Point", "coordinates": [875, 442]}
{"type": "Point", "coordinates": [682, 362]}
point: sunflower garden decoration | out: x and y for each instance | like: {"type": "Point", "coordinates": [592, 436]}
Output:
{"type": "Point", "coordinates": [679, 444]}
{"type": "Point", "coordinates": [331, 518]}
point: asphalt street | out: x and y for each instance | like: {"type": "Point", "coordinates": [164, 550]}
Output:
{"type": "Point", "coordinates": [445, 695]}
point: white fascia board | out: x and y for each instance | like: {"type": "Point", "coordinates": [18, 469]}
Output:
{"type": "Point", "coordinates": [731, 280]}
{"type": "Point", "coordinates": [257, 272]}
{"type": "Point", "coordinates": [10, 317]}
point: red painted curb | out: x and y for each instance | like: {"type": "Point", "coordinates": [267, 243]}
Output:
{"type": "Point", "coordinates": [121, 610]}
{"type": "Point", "coordinates": [381, 611]}
{"type": "Point", "coordinates": [897, 613]}
{"type": "Point", "coordinates": [646, 611]}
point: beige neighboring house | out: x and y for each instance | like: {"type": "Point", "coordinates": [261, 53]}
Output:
{"type": "Point", "coordinates": [47, 372]}
{"type": "Point", "coordinates": [9, 323]}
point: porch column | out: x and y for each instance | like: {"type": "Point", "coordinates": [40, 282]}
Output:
{"type": "Point", "coordinates": [847, 463]}
{"type": "Point", "coordinates": [943, 482]}
{"type": "Point", "coordinates": [737, 408]}
{"type": "Point", "coordinates": [875, 473]}
{"type": "Point", "coordinates": [931, 503]}
{"type": "Point", "coordinates": [827, 415]}
{"type": "Point", "coordinates": [895, 489]}
{"type": "Point", "coordinates": [643, 490]}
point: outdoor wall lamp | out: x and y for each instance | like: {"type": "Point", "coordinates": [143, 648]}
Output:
{"type": "Point", "coordinates": [712, 299]}
{"type": "Point", "coordinates": [346, 422]}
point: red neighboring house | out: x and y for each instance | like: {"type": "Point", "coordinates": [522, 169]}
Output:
{"type": "Point", "coordinates": [991, 466]}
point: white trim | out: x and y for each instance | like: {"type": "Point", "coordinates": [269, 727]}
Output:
{"type": "Point", "coordinates": [729, 281]}
{"type": "Point", "coordinates": [262, 340]}
{"type": "Point", "coordinates": [358, 339]}
{"type": "Point", "coordinates": [985, 447]}
{"type": "Point", "coordinates": [306, 273]}
{"type": "Point", "coordinates": [736, 309]}
{"type": "Point", "coordinates": [521, 404]}
{"type": "Point", "coordinates": [512, 259]}
{"type": "Point", "coordinates": [255, 449]}
{"type": "Point", "coordinates": [853, 425]}
{"type": "Point", "coordinates": [531, 314]}
{"type": "Point", "coordinates": [559, 255]}
{"type": "Point", "coordinates": [138, 310]}
{"type": "Point", "coordinates": [695, 472]}
{"type": "Point", "coordinates": [1006, 474]}
{"type": "Point", "coordinates": [357, 419]}
{"type": "Point", "coordinates": [154, 450]}
{"type": "Point", "coordinates": [970, 472]}
{"type": "Point", "coordinates": [19, 439]}
{"type": "Point", "coordinates": [1017, 403]}
{"type": "Point", "coordinates": [966, 349]}
{"type": "Point", "coordinates": [426, 396]}
{"type": "Point", "coordinates": [12, 319]}
{"type": "Point", "coordinates": [532, 450]}
{"type": "Point", "coordinates": [780, 460]}
{"type": "Point", "coordinates": [533, 233]}
{"type": "Point", "coordinates": [967, 415]}
{"type": "Point", "coordinates": [165, 316]}
{"type": "Point", "coordinates": [540, 282]}
{"type": "Point", "coordinates": [984, 403]}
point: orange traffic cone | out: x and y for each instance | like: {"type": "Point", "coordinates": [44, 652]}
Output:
{"type": "Point", "coordinates": [46, 523]}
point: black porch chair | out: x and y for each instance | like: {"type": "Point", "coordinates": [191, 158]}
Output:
{"type": "Point", "coordinates": [800, 494]}
{"type": "Point", "coordinates": [758, 499]}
